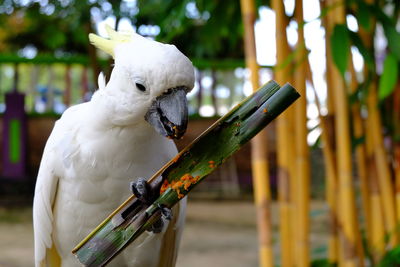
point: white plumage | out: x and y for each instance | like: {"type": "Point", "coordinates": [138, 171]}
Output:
{"type": "Point", "coordinates": [97, 148]}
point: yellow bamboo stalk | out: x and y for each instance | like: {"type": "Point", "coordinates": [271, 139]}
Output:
{"type": "Point", "coordinates": [382, 165]}
{"type": "Point", "coordinates": [284, 141]}
{"type": "Point", "coordinates": [260, 167]}
{"type": "Point", "coordinates": [379, 153]}
{"type": "Point", "coordinates": [302, 185]}
{"type": "Point", "coordinates": [361, 165]}
{"type": "Point", "coordinates": [328, 22]}
{"type": "Point", "coordinates": [331, 178]}
{"type": "Point", "coordinates": [348, 237]}
{"type": "Point", "coordinates": [328, 141]}
{"type": "Point", "coordinates": [377, 220]}
{"type": "Point", "coordinates": [377, 217]}
{"type": "Point", "coordinates": [360, 153]}
{"type": "Point", "coordinates": [396, 162]}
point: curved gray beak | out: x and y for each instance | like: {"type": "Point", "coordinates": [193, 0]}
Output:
{"type": "Point", "coordinates": [168, 113]}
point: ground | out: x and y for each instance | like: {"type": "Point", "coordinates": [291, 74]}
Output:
{"type": "Point", "coordinates": [217, 234]}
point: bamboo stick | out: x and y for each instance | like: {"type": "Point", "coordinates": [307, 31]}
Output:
{"type": "Point", "coordinates": [284, 142]}
{"type": "Point", "coordinates": [302, 188]}
{"type": "Point", "coordinates": [180, 175]}
{"type": "Point", "coordinates": [260, 168]}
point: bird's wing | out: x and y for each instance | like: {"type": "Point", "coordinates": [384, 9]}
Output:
{"type": "Point", "coordinates": [45, 193]}
{"type": "Point", "coordinates": [47, 186]}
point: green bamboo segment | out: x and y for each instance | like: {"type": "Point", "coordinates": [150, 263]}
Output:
{"type": "Point", "coordinates": [185, 171]}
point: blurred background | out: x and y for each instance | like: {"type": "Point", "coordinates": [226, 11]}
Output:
{"type": "Point", "coordinates": [333, 159]}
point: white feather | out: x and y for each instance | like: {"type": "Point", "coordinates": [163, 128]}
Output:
{"type": "Point", "coordinates": [101, 80]}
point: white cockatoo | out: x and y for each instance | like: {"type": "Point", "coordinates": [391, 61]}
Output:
{"type": "Point", "coordinates": [97, 148]}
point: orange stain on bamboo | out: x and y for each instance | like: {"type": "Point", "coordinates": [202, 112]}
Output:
{"type": "Point", "coordinates": [211, 164]}
{"type": "Point", "coordinates": [185, 182]}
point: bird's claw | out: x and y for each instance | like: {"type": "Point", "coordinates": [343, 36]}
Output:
{"type": "Point", "coordinates": [166, 213]}
{"type": "Point", "coordinates": [145, 194]}
{"type": "Point", "coordinates": [142, 190]}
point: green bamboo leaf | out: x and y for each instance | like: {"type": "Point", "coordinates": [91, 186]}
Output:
{"type": "Point", "coordinates": [363, 15]}
{"type": "Point", "coordinates": [389, 27]}
{"type": "Point", "coordinates": [389, 76]}
{"type": "Point", "coordinates": [393, 38]}
{"type": "Point", "coordinates": [340, 43]}
{"type": "Point", "coordinates": [366, 54]}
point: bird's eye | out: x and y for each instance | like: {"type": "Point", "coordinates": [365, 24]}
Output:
{"type": "Point", "coordinates": [141, 87]}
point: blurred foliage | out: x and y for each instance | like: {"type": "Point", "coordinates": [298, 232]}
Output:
{"type": "Point", "coordinates": [378, 19]}
{"type": "Point", "coordinates": [201, 29]}
{"type": "Point", "coordinates": [386, 15]}
{"type": "Point", "coordinates": [48, 28]}
{"type": "Point", "coordinates": [391, 258]}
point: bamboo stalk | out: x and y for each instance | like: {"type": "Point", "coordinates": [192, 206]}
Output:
{"type": "Point", "coordinates": [396, 152]}
{"type": "Point", "coordinates": [328, 22]}
{"type": "Point", "coordinates": [302, 186]}
{"type": "Point", "coordinates": [284, 142]}
{"type": "Point", "coordinates": [332, 186]}
{"type": "Point", "coordinates": [185, 171]}
{"type": "Point", "coordinates": [377, 216]}
{"type": "Point", "coordinates": [348, 237]}
{"type": "Point", "coordinates": [380, 157]}
{"type": "Point", "coordinates": [360, 153]}
{"type": "Point", "coordinates": [379, 153]}
{"type": "Point", "coordinates": [260, 168]}
{"type": "Point", "coordinates": [361, 168]}
{"type": "Point", "coordinates": [331, 183]}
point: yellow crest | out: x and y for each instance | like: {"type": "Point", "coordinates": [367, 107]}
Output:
{"type": "Point", "coordinates": [108, 45]}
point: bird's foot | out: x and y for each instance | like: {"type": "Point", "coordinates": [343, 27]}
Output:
{"type": "Point", "coordinates": [166, 214]}
{"type": "Point", "coordinates": [142, 190]}
{"type": "Point", "coordinates": [146, 194]}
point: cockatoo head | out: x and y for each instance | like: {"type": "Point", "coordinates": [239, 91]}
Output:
{"type": "Point", "coordinates": [149, 82]}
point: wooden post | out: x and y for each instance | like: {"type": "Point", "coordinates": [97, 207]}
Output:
{"type": "Point", "coordinates": [259, 155]}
